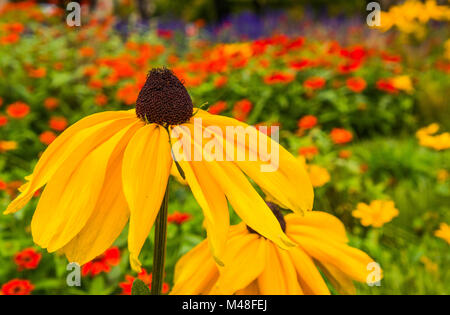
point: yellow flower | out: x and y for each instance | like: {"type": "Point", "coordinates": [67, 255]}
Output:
{"type": "Point", "coordinates": [113, 167]}
{"type": "Point", "coordinates": [403, 83]}
{"type": "Point", "coordinates": [7, 146]}
{"type": "Point", "coordinates": [430, 266]}
{"type": "Point", "coordinates": [255, 265]}
{"type": "Point", "coordinates": [319, 176]}
{"type": "Point", "coordinates": [428, 130]}
{"type": "Point", "coordinates": [376, 214]}
{"type": "Point", "coordinates": [428, 139]}
{"type": "Point", "coordinates": [443, 232]}
{"type": "Point", "coordinates": [442, 175]}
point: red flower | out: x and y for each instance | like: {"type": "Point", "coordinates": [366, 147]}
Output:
{"type": "Point", "coordinates": [3, 120]}
{"type": "Point", "coordinates": [37, 73]}
{"type": "Point", "coordinates": [314, 83]}
{"type": "Point", "coordinates": [300, 64]}
{"type": "Point", "coordinates": [307, 122]}
{"type": "Point", "coordinates": [18, 110]}
{"type": "Point", "coordinates": [47, 137]}
{"type": "Point", "coordinates": [103, 263]}
{"type": "Point", "coordinates": [178, 218]}
{"type": "Point", "coordinates": [278, 77]}
{"type": "Point", "coordinates": [58, 123]}
{"type": "Point", "coordinates": [341, 136]}
{"type": "Point", "coordinates": [241, 109]}
{"type": "Point", "coordinates": [390, 58]}
{"type": "Point", "coordinates": [51, 103]}
{"type": "Point", "coordinates": [386, 85]}
{"type": "Point", "coordinates": [218, 107]}
{"type": "Point", "coordinates": [345, 154]}
{"type": "Point", "coordinates": [3, 185]}
{"type": "Point", "coordinates": [145, 277]}
{"type": "Point", "coordinates": [308, 152]}
{"type": "Point", "coordinates": [356, 84]}
{"type": "Point", "coordinates": [17, 287]}
{"type": "Point", "coordinates": [86, 51]}
{"type": "Point", "coordinates": [27, 259]}
{"type": "Point", "coordinates": [220, 81]}
{"type": "Point", "coordinates": [101, 99]}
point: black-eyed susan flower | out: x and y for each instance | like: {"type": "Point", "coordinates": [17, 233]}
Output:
{"type": "Point", "coordinates": [112, 167]}
{"type": "Point", "coordinates": [255, 265]}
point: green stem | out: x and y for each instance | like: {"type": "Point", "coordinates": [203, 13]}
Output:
{"type": "Point", "coordinates": [159, 253]}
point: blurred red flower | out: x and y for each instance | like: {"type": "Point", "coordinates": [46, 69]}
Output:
{"type": "Point", "coordinates": [3, 120]}
{"type": "Point", "coordinates": [241, 109]}
{"type": "Point", "coordinates": [356, 84]}
{"type": "Point", "coordinates": [58, 123]}
{"type": "Point", "coordinates": [103, 263]}
{"type": "Point", "coordinates": [307, 122]}
{"type": "Point", "coordinates": [278, 77]}
{"type": "Point", "coordinates": [17, 287]}
{"type": "Point", "coordinates": [145, 277]}
{"type": "Point", "coordinates": [37, 73]}
{"type": "Point", "coordinates": [218, 107]}
{"type": "Point", "coordinates": [51, 103]}
{"type": "Point", "coordinates": [220, 81]}
{"type": "Point", "coordinates": [314, 83]}
{"type": "Point", "coordinates": [101, 99]}
{"type": "Point", "coordinates": [341, 136]}
{"type": "Point", "coordinates": [18, 110]}
{"type": "Point", "coordinates": [308, 152]}
{"type": "Point", "coordinates": [47, 137]}
{"type": "Point", "coordinates": [386, 85]}
{"type": "Point", "coordinates": [28, 258]}
{"type": "Point", "coordinates": [178, 217]}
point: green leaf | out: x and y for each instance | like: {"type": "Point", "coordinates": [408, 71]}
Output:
{"type": "Point", "coordinates": [139, 288]}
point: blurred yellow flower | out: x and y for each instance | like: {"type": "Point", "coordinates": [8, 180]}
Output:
{"type": "Point", "coordinates": [443, 232]}
{"type": "Point", "coordinates": [403, 83]}
{"type": "Point", "coordinates": [442, 175]}
{"type": "Point", "coordinates": [7, 146]}
{"type": "Point", "coordinates": [376, 214]}
{"type": "Point", "coordinates": [430, 266]}
{"type": "Point", "coordinates": [447, 49]}
{"type": "Point", "coordinates": [428, 139]}
{"type": "Point", "coordinates": [319, 176]}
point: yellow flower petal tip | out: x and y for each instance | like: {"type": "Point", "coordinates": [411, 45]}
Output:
{"type": "Point", "coordinates": [135, 264]}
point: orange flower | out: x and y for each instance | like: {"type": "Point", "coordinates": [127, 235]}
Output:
{"type": "Point", "coordinates": [3, 120]}
{"type": "Point", "coordinates": [9, 39]}
{"type": "Point", "coordinates": [345, 154]}
{"type": "Point", "coordinates": [178, 218]}
{"type": "Point", "coordinates": [128, 94]}
{"type": "Point", "coordinates": [47, 137]}
{"type": "Point", "coordinates": [58, 123]}
{"type": "Point", "coordinates": [279, 77]}
{"type": "Point", "coordinates": [28, 258]}
{"type": "Point", "coordinates": [218, 107]}
{"type": "Point", "coordinates": [220, 81]}
{"type": "Point", "coordinates": [307, 122]}
{"type": "Point", "coordinates": [386, 85]}
{"type": "Point", "coordinates": [241, 109]}
{"type": "Point", "coordinates": [341, 136]}
{"type": "Point", "coordinates": [356, 84]}
{"type": "Point", "coordinates": [86, 51]}
{"type": "Point", "coordinates": [101, 99]}
{"type": "Point", "coordinates": [3, 185]}
{"type": "Point", "coordinates": [51, 103]}
{"type": "Point", "coordinates": [37, 73]}
{"type": "Point", "coordinates": [314, 83]}
{"type": "Point", "coordinates": [17, 287]}
{"type": "Point", "coordinates": [308, 152]}
{"type": "Point", "coordinates": [18, 110]}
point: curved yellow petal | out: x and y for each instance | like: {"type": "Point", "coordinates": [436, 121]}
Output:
{"type": "Point", "coordinates": [245, 260]}
{"type": "Point", "coordinates": [71, 194]}
{"type": "Point", "coordinates": [338, 279]}
{"type": "Point", "coordinates": [316, 223]}
{"type": "Point", "coordinates": [308, 275]}
{"type": "Point", "coordinates": [190, 278]}
{"type": "Point", "coordinates": [110, 213]}
{"type": "Point", "coordinates": [146, 168]}
{"type": "Point", "coordinates": [289, 184]}
{"type": "Point", "coordinates": [80, 138]}
{"type": "Point", "coordinates": [279, 276]}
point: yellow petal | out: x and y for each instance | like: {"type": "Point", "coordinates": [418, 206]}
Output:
{"type": "Point", "coordinates": [309, 276]}
{"type": "Point", "coordinates": [245, 259]}
{"type": "Point", "coordinates": [289, 271]}
{"type": "Point", "coordinates": [71, 194]}
{"type": "Point", "coordinates": [145, 171]}
{"type": "Point", "coordinates": [73, 144]}
{"type": "Point", "coordinates": [314, 223]}
{"type": "Point", "coordinates": [110, 214]}
{"type": "Point", "coordinates": [340, 281]}
{"type": "Point", "coordinates": [289, 184]}
{"type": "Point", "coordinates": [273, 280]}
{"type": "Point", "coordinates": [189, 279]}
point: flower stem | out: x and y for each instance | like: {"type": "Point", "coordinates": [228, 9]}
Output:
{"type": "Point", "coordinates": [159, 253]}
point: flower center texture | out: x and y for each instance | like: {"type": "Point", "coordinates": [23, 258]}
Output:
{"type": "Point", "coordinates": [164, 100]}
